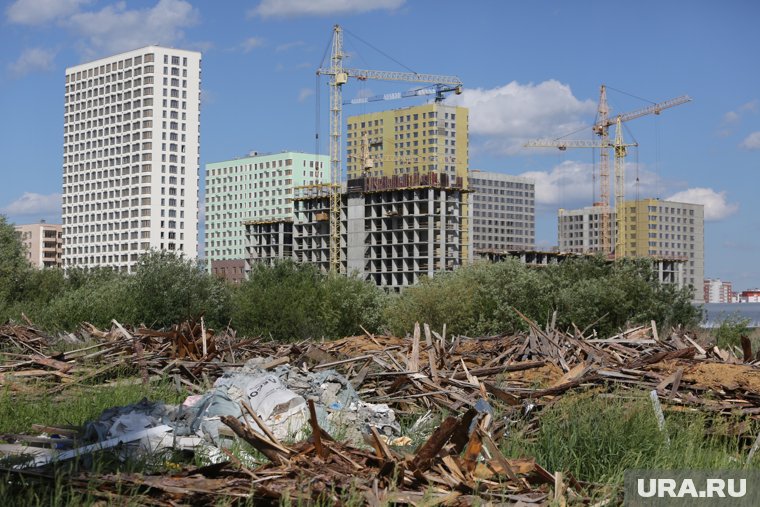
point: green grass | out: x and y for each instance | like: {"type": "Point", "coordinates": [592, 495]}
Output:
{"type": "Point", "coordinates": [76, 405]}
{"type": "Point", "coordinates": [597, 438]}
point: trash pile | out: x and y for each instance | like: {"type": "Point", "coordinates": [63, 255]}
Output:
{"type": "Point", "coordinates": [340, 401]}
{"type": "Point", "coordinates": [459, 464]}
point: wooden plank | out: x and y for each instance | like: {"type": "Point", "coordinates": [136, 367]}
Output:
{"type": "Point", "coordinates": [316, 430]}
{"type": "Point", "coordinates": [497, 455]}
{"type": "Point", "coordinates": [424, 456]}
{"type": "Point", "coordinates": [259, 442]}
{"type": "Point", "coordinates": [676, 383]}
{"type": "Point", "coordinates": [413, 361]}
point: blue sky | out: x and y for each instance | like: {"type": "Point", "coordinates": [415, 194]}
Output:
{"type": "Point", "coordinates": [531, 69]}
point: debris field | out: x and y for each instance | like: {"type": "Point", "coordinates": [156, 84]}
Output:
{"type": "Point", "coordinates": [413, 377]}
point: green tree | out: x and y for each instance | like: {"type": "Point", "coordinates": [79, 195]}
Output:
{"type": "Point", "coordinates": [482, 299]}
{"type": "Point", "coordinates": [167, 288]}
{"type": "Point", "coordinates": [14, 268]}
{"type": "Point", "coordinates": [290, 301]}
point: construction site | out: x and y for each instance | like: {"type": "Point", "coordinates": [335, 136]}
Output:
{"type": "Point", "coordinates": [544, 410]}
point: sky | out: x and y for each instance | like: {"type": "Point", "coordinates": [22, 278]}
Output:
{"type": "Point", "coordinates": [531, 69]}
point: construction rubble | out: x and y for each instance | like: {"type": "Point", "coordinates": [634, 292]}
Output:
{"type": "Point", "coordinates": [323, 417]}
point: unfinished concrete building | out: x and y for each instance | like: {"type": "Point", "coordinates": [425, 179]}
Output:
{"type": "Point", "coordinates": [268, 240]}
{"type": "Point", "coordinates": [394, 230]}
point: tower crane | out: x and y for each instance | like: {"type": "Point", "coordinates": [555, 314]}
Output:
{"type": "Point", "coordinates": [601, 129]}
{"type": "Point", "coordinates": [338, 77]}
{"type": "Point", "coordinates": [620, 153]}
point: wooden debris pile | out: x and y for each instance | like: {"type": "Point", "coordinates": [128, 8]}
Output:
{"type": "Point", "coordinates": [188, 351]}
{"type": "Point", "coordinates": [459, 464]}
{"type": "Point", "coordinates": [24, 339]}
{"type": "Point", "coordinates": [416, 373]}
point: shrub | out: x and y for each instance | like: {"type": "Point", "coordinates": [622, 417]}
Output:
{"type": "Point", "coordinates": [290, 301]}
{"type": "Point", "coordinates": [482, 299]}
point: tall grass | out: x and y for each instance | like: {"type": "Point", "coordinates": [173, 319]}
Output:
{"type": "Point", "coordinates": [597, 438]}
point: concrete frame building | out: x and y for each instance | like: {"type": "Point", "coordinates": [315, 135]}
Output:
{"type": "Point", "coordinates": [131, 157]}
{"type": "Point", "coordinates": [504, 213]}
{"type": "Point", "coordinates": [393, 230]}
{"type": "Point", "coordinates": [654, 228]}
{"type": "Point", "coordinates": [255, 188]}
{"type": "Point", "coordinates": [43, 243]}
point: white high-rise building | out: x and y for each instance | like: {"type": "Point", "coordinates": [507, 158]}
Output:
{"type": "Point", "coordinates": [504, 213]}
{"type": "Point", "coordinates": [130, 157]}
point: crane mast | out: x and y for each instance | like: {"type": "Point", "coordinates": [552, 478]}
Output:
{"type": "Point", "coordinates": [338, 77]}
{"type": "Point", "coordinates": [604, 172]}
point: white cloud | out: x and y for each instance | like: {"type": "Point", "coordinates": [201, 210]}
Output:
{"type": "Point", "coordinates": [34, 205]}
{"type": "Point", "coordinates": [571, 184]}
{"type": "Point", "coordinates": [251, 43]}
{"type": "Point", "coordinates": [731, 117]}
{"type": "Point", "coordinates": [716, 205]}
{"type": "Point", "coordinates": [751, 107]}
{"type": "Point", "coordinates": [115, 28]}
{"type": "Point", "coordinates": [509, 115]}
{"type": "Point", "coordinates": [31, 60]}
{"type": "Point", "coordinates": [39, 12]}
{"type": "Point", "coordinates": [568, 185]}
{"type": "Point", "coordinates": [285, 8]}
{"type": "Point", "coordinates": [289, 45]}
{"type": "Point", "coordinates": [751, 142]}
{"type": "Point", "coordinates": [305, 93]}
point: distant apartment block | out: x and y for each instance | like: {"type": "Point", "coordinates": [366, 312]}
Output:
{"type": "Point", "coordinates": [430, 138]}
{"type": "Point", "coordinates": [749, 296]}
{"type": "Point", "coordinates": [717, 291]}
{"type": "Point", "coordinates": [654, 228]}
{"type": "Point", "coordinates": [130, 157]}
{"type": "Point", "coordinates": [578, 229]}
{"type": "Point", "coordinates": [43, 244]}
{"type": "Point", "coordinates": [255, 188]}
{"type": "Point", "coordinates": [504, 213]}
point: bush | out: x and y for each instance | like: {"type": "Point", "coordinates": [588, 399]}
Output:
{"type": "Point", "coordinates": [731, 329]}
{"type": "Point", "coordinates": [289, 301]}
{"type": "Point", "coordinates": [166, 289]}
{"type": "Point", "coordinates": [482, 299]}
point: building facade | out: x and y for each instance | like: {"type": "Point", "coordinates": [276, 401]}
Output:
{"type": "Point", "coordinates": [256, 188]}
{"type": "Point", "coordinates": [431, 138]}
{"type": "Point", "coordinates": [43, 244]}
{"type": "Point", "coordinates": [749, 296]}
{"type": "Point", "coordinates": [393, 230]}
{"type": "Point", "coordinates": [131, 157]}
{"type": "Point", "coordinates": [653, 228]}
{"type": "Point", "coordinates": [503, 212]}
{"type": "Point", "coordinates": [717, 291]}
{"type": "Point", "coordinates": [578, 229]}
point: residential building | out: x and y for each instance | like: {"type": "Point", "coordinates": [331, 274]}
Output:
{"type": "Point", "coordinates": [717, 291]}
{"type": "Point", "coordinates": [430, 138]}
{"type": "Point", "coordinates": [255, 188]}
{"type": "Point", "coordinates": [130, 157]}
{"type": "Point", "coordinates": [749, 296]}
{"type": "Point", "coordinates": [578, 229]}
{"type": "Point", "coordinates": [43, 243]}
{"type": "Point", "coordinates": [653, 228]}
{"type": "Point", "coordinates": [504, 213]}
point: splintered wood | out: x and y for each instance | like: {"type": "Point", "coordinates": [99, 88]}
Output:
{"type": "Point", "coordinates": [425, 372]}
{"type": "Point", "coordinates": [452, 467]}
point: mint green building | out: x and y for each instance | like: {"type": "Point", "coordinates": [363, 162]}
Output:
{"type": "Point", "coordinates": [257, 187]}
